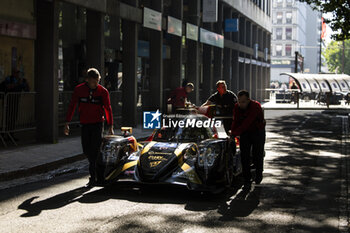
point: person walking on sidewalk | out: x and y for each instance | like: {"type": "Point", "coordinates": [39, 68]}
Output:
{"type": "Point", "coordinates": [249, 124]}
{"type": "Point", "coordinates": [94, 103]}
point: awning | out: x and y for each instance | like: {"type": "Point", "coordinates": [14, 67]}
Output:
{"type": "Point", "coordinates": [317, 83]}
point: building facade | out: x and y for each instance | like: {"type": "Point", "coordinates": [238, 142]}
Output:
{"type": "Point", "coordinates": [296, 28]}
{"type": "Point", "coordinates": [143, 49]}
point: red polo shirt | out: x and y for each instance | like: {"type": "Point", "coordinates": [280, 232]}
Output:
{"type": "Point", "coordinates": [248, 120]}
{"type": "Point", "coordinates": [93, 104]}
{"type": "Point", "coordinates": [178, 96]}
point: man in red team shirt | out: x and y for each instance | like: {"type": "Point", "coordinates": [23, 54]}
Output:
{"type": "Point", "coordinates": [249, 125]}
{"type": "Point", "coordinates": [178, 97]}
{"type": "Point", "coordinates": [94, 102]}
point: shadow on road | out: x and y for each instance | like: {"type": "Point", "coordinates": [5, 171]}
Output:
{"type": "Point", "coordinates": [193, 201]}
{"type": "Point", "coordinates": [55, 202]}
{"type": "Point", "coordinates": [300, 188]}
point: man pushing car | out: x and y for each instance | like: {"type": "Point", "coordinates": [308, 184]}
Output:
{"type": "Point", "coordinates": [94, 103]}
{"type": "Point", "coordinates": [249, 125]}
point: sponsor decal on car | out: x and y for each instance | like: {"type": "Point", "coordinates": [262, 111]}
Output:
{"type": "Point", "coordinates": [152, 157]}
{"type": "Point", "coordinates": [154, 163]}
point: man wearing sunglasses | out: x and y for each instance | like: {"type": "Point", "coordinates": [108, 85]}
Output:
{"type": "Point", "coordinates": [94, 103]}
{"type": "Point", "coordinates": [224, 101]}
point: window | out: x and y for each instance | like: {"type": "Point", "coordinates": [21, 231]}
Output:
{"type": "Point", "coordinates": [343, 85]}
{"type": "Point", "coordinates": [315, 86]}
{"type": "Point", "coordinates": [288, 50]}
{"type": "Point", "coordinates": [323, 85]}
{"type": "Point", "coordinates": [279, 17]}
{"type": "Point", "coordinates": [279, 33]}
{"type": "Point", "coordinates": [289, 3]}
{"type": "Point", "coordinates": [334, 85]}
{"type": "Point", "coordinates": [288, 33]}
{"type": "Point", "coordinates": [304, 86]}
{"type": "Point", "coordinates": [279, 3]}
{"type": "Point", "coordinates": [278, 50]}
{"type": "Point", "coordinates": [289, 18]}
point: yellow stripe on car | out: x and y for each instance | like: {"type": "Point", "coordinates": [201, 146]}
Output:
{"type": "Point", "coordinates": [185, 167]}
{"type": "Point", "coordinates": [113, 174]}
{"type": "Point", "coordinates": [129, 165]}
{"type": "Point", "coordinates": [179, 149]}
{"type": "Point", "coordinates": [116, 172]}
{"type": "Point", "coordinates": [149, 145]}
{"type": "Point", "coordinates": [191, 174]}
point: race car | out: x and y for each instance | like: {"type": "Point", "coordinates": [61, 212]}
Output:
{"type": "Point", "coordinates": [201, 156]}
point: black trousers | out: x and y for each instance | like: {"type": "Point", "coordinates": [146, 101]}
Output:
{"type": "Point", "coordinates": [227, 124]}
{"type": "Point", "coordinates": [91, 138]}
{"type": "Point", "coordinates": [252, 142]}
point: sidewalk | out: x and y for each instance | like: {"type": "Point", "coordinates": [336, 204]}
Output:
{"type": "Point", "coordinates": [40, 158]}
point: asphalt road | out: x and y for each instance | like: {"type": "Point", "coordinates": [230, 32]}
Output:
{"type": "Point", "coordinates": [301, 192]}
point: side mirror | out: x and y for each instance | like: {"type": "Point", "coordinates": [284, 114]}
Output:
{"type": "Point", "coordinates": [126, 130]}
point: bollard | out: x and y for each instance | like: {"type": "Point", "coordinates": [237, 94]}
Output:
{"type": "Point", "coordinates": [297, 99]}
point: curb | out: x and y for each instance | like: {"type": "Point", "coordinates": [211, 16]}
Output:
{"type": "Point", "coordinates": [42, 168]}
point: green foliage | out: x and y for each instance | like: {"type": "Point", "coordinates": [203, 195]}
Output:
{"type": "Point", "coordinates": [339, 22]}
{"type": "Point", "coordinates": [334, 56]}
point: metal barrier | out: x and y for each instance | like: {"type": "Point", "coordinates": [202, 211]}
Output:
{"type": "Point", "coordinates": [18, 113]}
{"type": "Point", "coordinates": [64, 98]}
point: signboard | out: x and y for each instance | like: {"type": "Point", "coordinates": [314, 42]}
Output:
{"type": "Point", "coordinates": [22, 30]}
{"type": "Point", "coordinates": [253, 62]}
{"type": "Point", "coordinates": [211, 38]}
{"type": "Point", "coordinates": [152, 19]}
{"type": "Point", "coordinates": [241, 59]}
{"type": "Point", "coordinates": [259, 63]}
{"type": "Point", "coordinates": [256, 50]}
{"type": "Point", "coordinates": [247, 60]}
{"type": "Point", "coordinates": [231, 25]}
{"type": "Point", "coordinates": [266, 54]}
{"type": "Point", "coordinates": [174, 26]}
{"type": "Point", "coordinates": [210, 11]}
{"type": "Point", "coordinates": [281, 62]}
{"type": "Point", "coordinates": [191, 32]}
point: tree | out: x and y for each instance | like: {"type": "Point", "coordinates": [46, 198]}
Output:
{"type": "Point", "coordinates": [334, 56]}
{"type": "Point", "coordinates": [339, 22]}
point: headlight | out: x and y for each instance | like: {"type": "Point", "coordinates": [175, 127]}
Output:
{"type": "Point", "coordinates": [208, 156]}
{"type": "Point", "coordinates": [134, 156]}
{"type": "Point", "coordinates": [109, 153]}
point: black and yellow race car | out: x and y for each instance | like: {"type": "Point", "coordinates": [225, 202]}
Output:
{"type": "Point", "coordinates": [201, 156]}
